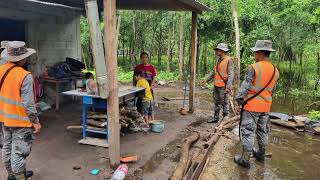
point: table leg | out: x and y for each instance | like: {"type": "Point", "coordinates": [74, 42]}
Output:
{"type": "Point", "coordinates": [57, 97]}
{"type": "Point", "coordinates": [84, 121]}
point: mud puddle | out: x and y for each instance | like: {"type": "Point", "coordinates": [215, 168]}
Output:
{"type": "Point", "coordinates": [294, 156]}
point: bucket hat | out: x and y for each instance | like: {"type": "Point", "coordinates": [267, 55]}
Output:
{"type": "Point", "coordinates": [15, 51]}
{"type": "Point", "coordinates": [263, 45]}
{"type": "Point", "coordinates": [223, 47]}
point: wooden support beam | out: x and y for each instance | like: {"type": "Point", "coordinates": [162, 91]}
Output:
{"type": "Point", "coordinates": [97, 46]}
{"type": "Point", "coordinates": [110, 37]}
{"type": "Point", "coordinates": [194, 37]}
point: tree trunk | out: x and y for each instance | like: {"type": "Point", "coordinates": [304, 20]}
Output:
{"type": "Point", "coordinates": [181, 49]}
{"type": "Point", "coordinates": [159, 47]}
{"type": "Point", "coordinates": [205, 58]}
{"type": "Point", "coordinates": [168, 50]}
{"type": "Point", "coordinates": [237, 35]}
{"type": "Point", "coordinates": [172, 47]}
{"type": "Point", "coordinates": [318, 71]}
{"type": "Point", "coordinates": [133, 53]}
{"type": "Point", "coordinates": [301, 57]}
{"type": "Point", "coordinates": [199, 51]}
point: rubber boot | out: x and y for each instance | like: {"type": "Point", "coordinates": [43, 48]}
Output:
{"type": "Point", "coordinates": [213, 120]}
{"type": "Point", "coordinates": [259, 154]}
{"type": "Point", "coordinates": [28, 174]}
{"type": "Point", "coordinates": [243, 160]}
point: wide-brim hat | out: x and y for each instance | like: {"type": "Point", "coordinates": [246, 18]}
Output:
{"type": "Point", "coordinates": [263, 45]}
{"type": "Point", "coordinates": [15, 51]}
{"type": "Point", "coordinates": [223, 47]}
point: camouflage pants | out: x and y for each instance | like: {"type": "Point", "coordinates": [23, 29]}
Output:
{"type": "Point", "coordinates": [221, 101]}
{"type": "Point", "coordinates": [16, 148]}
{"type": "Point", "coordinates": [252, 124]}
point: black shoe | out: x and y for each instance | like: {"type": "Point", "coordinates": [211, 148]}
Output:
{"type": "Point", "coordinates": [259, 155]}
{"type": "Point", "coordinates": [212, 120]}
{"type": "Point", "coordinates": [28, 174]}
{"type": "Point", "coordinates": [241, 161]}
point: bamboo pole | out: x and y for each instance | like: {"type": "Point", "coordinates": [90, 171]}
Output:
{"type": "Point", "coordinates": [194, 41]}
{"type": "Point", "coordinates": [97, 47]}
{"type": "Point", "coordinates": [110, 37]}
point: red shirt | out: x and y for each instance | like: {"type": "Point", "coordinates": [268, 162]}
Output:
{"type": "Point", "coordinates": [149, 71]}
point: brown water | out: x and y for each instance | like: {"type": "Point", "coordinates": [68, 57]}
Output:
{"type": "Point", "coordinates": [294, 156]}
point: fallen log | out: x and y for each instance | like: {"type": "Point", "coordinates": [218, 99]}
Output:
{"type": "Point", "coordinates": [229, 123]}
{"type": "Point", "coordinates": [288, 124]}
{"type": "Point", "coordinates": [184, 156]}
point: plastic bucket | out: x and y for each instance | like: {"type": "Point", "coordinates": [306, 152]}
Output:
{"type": "Point", "coordinates": [157, 126]}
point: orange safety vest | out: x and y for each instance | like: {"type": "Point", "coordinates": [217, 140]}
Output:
{"type": "Point", "coordinates": [12, 111]}
{"type": "Point", "coordinates": [263, 73]}
{"type": "Point", "coordinates": [223, 70]}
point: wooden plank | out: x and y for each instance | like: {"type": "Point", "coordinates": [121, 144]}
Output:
{"type": "Point", "coordinates": [97, 47]}
{"type": "Point", "coordinates": [94, 142]}
{"type": "Point", "coordinates": [193, 61]}
{"type": "Point", "coordinates": [110, 35]}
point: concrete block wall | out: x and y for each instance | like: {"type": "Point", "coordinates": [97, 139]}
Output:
{"type": "Point", "coordinates": [53, 31]}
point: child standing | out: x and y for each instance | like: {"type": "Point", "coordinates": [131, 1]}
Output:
{"type": "Point", "coordinates": [147, 102]}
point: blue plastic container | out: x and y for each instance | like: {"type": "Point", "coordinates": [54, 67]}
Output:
{"type": "Point", "coordinates": [157, 126]}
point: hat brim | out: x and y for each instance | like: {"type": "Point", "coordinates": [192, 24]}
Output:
{"type": "Point", "coordinates": [7, 57]}
{"type": "Point", "coordinates": [254, 49]}
{"type": "Point", "coordinates": [223, 49]}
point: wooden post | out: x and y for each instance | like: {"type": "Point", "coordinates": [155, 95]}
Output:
{"type": "Point", "coordinates": [97, 46]}
{"type": "Point", "coordinates": [194, 38]}
{"type": "Point", "coordinates": [110, 37]}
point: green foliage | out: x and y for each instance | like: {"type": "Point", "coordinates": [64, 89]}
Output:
{"type": "Point", "coordinates": [125, 76]}
{"type": "Point", "coordinates": [314, 115]}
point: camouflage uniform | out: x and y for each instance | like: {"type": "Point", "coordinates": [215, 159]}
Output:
{"type": "Point", "coordinates": [18, 141]}
{"type": "Point", "coordinates": [220, 98]}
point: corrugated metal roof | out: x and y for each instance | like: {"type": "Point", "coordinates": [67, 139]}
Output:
{"type": "Point", "coordinates": [166, 5]}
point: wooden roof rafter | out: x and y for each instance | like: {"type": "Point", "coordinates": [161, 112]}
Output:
{"type": "Point", "coordinates": [165, 5]}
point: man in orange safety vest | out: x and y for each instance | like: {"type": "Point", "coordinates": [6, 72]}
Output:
{"type": "Point", "coordinates": [255, 99]}
{"type": "Point", "coordinates": [17, 109]}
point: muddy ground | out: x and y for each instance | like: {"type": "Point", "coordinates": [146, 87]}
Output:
{"type": "Point", "coordinates": [56, 151]}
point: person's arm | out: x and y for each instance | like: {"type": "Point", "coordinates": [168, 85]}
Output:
{"type": "Point", "coordinates": [27, 95]}
{"type": "Point", "coordinates": [210, 77]}
{"type": "Point", "coordinates": [230, 74]}
{"type": "Point", "coordinates": [245, 86]}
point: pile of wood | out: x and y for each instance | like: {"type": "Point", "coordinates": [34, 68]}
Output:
{"type": "Point", "coordinates": [129, 118]}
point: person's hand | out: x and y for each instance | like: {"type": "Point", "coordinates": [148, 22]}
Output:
{"type": "Point", "coordinates": [203, 83]}
{"type": "Point", "coordinates": [36, 127]}
{"type": "Point", "coordinates": [227, 90]}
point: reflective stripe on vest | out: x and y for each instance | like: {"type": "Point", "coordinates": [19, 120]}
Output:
{"type": "Point", "coordinates": [12, 111]}
{"type": "Point", "coordinates": [263, 72]}
{"type": "Point", "coordinates": [223, 69]}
